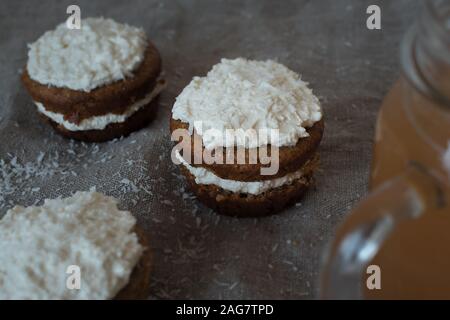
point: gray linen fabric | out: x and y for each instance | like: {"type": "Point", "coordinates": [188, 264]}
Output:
{"type": "Point", "coordinates": [197, 253]}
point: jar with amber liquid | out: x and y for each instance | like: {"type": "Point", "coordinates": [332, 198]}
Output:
{"type": "Point", "coordinates": [401, 231]}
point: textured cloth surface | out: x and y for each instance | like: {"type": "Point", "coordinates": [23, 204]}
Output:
{"type": "Point", "coordinates": [197, 253]}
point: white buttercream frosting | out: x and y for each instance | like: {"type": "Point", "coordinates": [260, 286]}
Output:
{"type": "Point", "coordinates": [38, 244]}
{"type": "Point", "coordinates": [204, 176]}
{"type": "Point", "coordinates": [100, 122]}
{"type": "Point", "coordinates": [101, 52]}
{"type": "Point", "coordinates": [246, 94]}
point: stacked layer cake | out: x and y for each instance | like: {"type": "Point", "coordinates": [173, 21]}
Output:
{"type": "Point", "coordinates": [248, 101]}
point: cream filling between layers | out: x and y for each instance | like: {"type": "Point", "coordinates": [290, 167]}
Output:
{"type": "Point", "coordinates": [203, 176]}
{"type": "Point", "coordinates": [100, 122]}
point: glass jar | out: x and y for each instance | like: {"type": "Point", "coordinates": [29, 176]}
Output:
{"type": "Point", "coordinates": [403, 226]}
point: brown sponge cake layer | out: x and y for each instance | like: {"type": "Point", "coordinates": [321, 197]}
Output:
{"type": "Point", "coordinates": [112, 98]}
{"type": "Point", "coordinates": [114, 130]}
{"type": "Point", "coordinates": [248, 205]}
{"type": "Point", "coordinates": [291, 157]}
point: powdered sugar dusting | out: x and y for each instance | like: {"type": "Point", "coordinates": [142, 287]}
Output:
{"type": "Point", "coordinates": [238, 259]}
{"type": "Point", "coordinates": [15, 175]}
{"type": "Point", "coordinates": [183, 229]}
